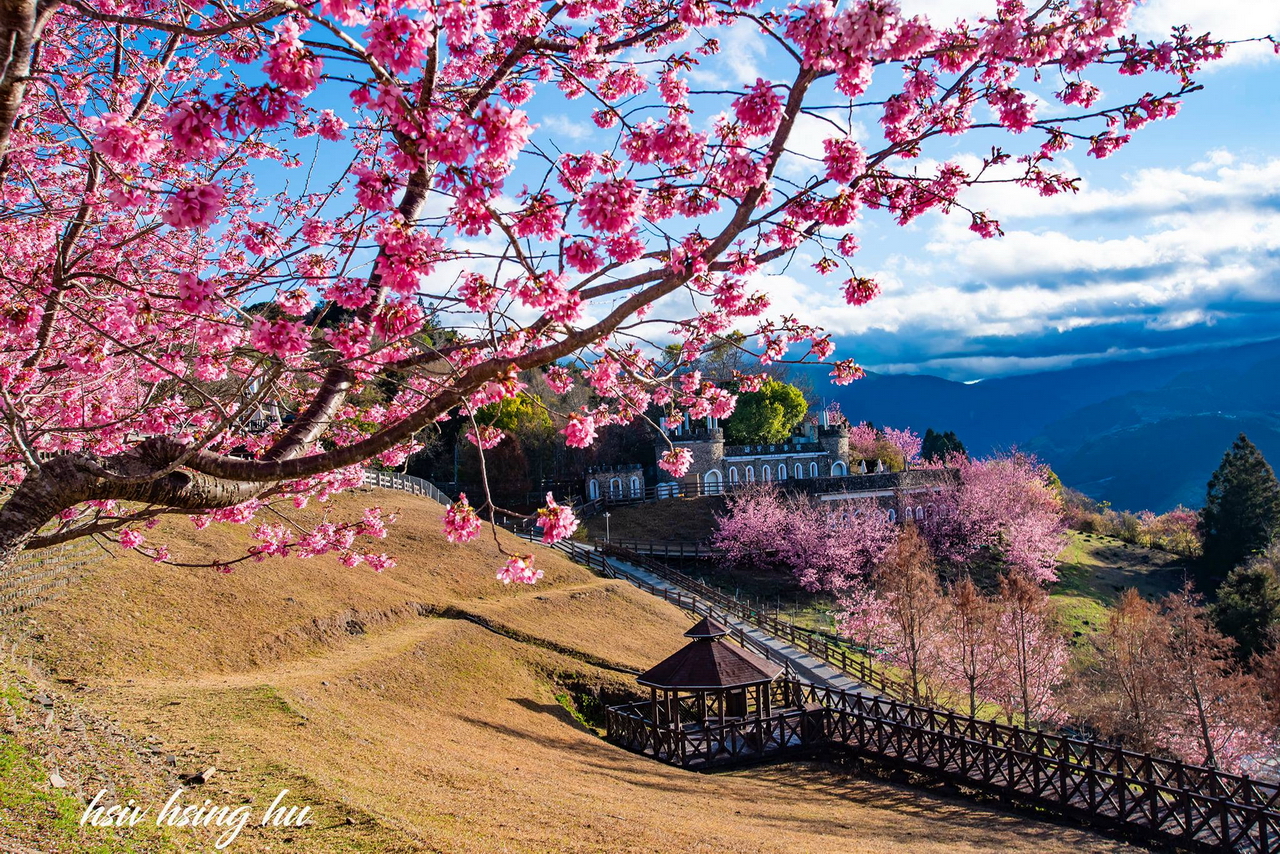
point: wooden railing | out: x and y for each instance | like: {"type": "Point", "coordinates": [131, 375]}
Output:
{"type": "Point", "coordinates": [692, 604]}
{"type": "Point", "coordinates": [688, 550]}
{"type": "Point", "coordinates": [839, 654]}
{"type": "Point", "coordinates": [1160, 799]}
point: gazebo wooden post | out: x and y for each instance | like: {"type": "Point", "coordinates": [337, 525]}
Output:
{"type": "Point", "coordinates": [710, 671]}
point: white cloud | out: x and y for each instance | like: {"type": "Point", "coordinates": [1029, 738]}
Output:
{"type": "Point", "coordinates": [562, 127]}
{"type": "Point", "coordinates": [1202, 243]}
{"type": "Point", "coordinates": [742, 48]}
{"type": "Point", "coordinates": [1225, 19]}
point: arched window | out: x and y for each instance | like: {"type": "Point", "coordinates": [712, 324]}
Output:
{"type": "Point", "coordinates": [893, 515]}
{"type": "Point", "coordinates": [733, 474]}
{"type": "Point", "coordinates": [615, 487]}
{"type": "Point", "coordinates": [799, 471]}
{"type": "Point", "coordinates": [920, 513]}
{"type": "Point", "coordinates": [813, 469]}
{"type": "Point", "coordinates": [930, 512]}
{"type": "Point", "coordinates": [838, 469]}
{"type": "Point", "coordinates": [751, 475]}
{"type": "Point", "coordinates": [593, 489]}
{"type": "Point", "coordinates": [764, 473]}
{"type": "Point", "coordinates": [635, 487]}
{"type": "Point", "coordinates": [711, 482]}
{"type": "Point", "coordinates": [782, 471]}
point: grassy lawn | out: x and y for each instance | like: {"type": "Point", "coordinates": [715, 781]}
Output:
{"type": "Point", "coordinates": [409, 729]}
{"type": "Point", "coordinates": [672, 520]}
{"type": "Point", "coordinates": [1092, 572]}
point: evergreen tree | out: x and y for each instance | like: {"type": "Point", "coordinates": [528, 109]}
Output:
{"type": "Point", "coordinates": [1248, 606]}
{"type": "Point", "coordinates": [939, 446]}
{"type": "Point", "coordinates": [1241, 510]}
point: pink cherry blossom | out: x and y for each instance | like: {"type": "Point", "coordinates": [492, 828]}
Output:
{"type": "Point", "coordinates": [580, 432]}
{"type": "Point", "coordinates": [460, 521]}
{"type": "Point", "coordinates": [245, 226]}
{"type": "Point", "coordinates": [519, 568]}
{"type": "Point", "coordinates": [611, 207]}
{"type": "Point", "coordinates": [676, 461]}
{"type": "Point", "coordinates": [197, 206]}
{"type": "Point", "coordinates": [556, 521]}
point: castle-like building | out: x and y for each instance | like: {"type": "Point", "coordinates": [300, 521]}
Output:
{"type": "Point", "coordinates": [816, 450]}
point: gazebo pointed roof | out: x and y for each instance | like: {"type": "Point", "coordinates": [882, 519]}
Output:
{"type": "Point", "coordinates": [709, 663]}
{"type": "Point", "coordinates": [707, 628]}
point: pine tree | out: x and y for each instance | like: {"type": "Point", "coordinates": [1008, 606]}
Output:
{"type": "Point", "coordinates": [1241, 512]}
{"type": "Point", "coordinates": [1248, 605]}
{"type": "Point", "coordinates": [939, 446]}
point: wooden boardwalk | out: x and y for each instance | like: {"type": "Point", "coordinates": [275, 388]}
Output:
{"type": "Point", "coordinates": [1104, 785]}
{"type": "Point", "coordinates": [1162, 800]}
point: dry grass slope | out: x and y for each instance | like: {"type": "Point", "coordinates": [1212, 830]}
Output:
{"type": "Point", "coordinates": [408, 726]}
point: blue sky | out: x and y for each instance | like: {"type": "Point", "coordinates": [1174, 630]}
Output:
{"type": "Point", "coordinates": [1172, 245]}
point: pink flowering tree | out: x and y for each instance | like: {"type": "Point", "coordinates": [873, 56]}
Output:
{"type": "Point", "coordinates": [827, 546]}
{"type": "Point", "coordinates": [906, 444]}
{"type": "Point", "coordinates": [352, 213]}
{"type": "Point", "coordinates": [864, 442]}
{"type": "Point", "coordinates": [1007, 508]}
{"type": "Point", "coordinates": [755, 527]}
{"type": "Point", "coordinates": [897, 449]}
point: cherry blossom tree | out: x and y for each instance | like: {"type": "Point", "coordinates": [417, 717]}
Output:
{"type": "Point", "coordinates": [897, 449]}
{"type": "Point", "coordinates": [1005, 508]}
{"type": "Point", "coordinates": [906, 444]}
{"type": "Point", "coordinates": [1218, 717]}
{"type": "Point", "coordinates": [216, 214]}
{"type": "Point", "coordinates": [1166, 679]}
{"type": "Point", "coordinates": [898, 612]}
{"type": "Point", "coordinates": [828, 546]}
{"type": "Point", "coordinates": [1122, 693]}
{"type": "Point", "coordinates": [754, 529]}
{"type": "Point", "coordinates": [969, 649]}
{"type": "Point", "coordinates": [1032, 652]}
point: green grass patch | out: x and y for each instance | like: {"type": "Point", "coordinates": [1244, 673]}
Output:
{"type": "Point", "coordinates": [31, 808]}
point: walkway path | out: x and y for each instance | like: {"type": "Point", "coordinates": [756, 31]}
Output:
{"type": "Point", "coordinates": [806, 666]}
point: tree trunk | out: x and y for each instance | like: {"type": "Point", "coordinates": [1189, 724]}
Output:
{"type": "Point", "coordinates": [17, 39]}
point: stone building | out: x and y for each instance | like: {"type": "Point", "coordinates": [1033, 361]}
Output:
{"type": "Point", "coordinates": [814, 460]}
{"type": "Point", "coordinates": [616, 482]}
{"type": "Point", "coordinates": [813, 451]}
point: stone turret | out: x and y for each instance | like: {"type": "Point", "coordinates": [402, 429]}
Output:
{"type": "Point", "coordinates": [705, 439]}
{"type": "Point", "coordinates": [835, 441]}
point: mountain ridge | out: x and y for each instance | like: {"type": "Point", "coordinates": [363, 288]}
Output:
{"type": "Point", "coordinates": [1117, 431]}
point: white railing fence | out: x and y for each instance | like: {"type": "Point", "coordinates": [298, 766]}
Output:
{"type": "Point", "coordinates": [405, 483]}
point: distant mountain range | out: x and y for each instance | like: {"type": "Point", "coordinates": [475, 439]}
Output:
{"type": "Point", "coordinates": [1142, 434]}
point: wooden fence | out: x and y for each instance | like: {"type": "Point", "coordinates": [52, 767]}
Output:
{"type": "Point", "coordinates": [1159, 799]}
{"type": "Point", "coordinates": [675, 548]}
{"type": "Point", "coordinates": [41, 574]}
{"type": "Point", "coordinates": [838, 653]}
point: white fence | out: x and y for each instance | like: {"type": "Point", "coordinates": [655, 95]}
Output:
{"type": "Point", "coordinates": [405, 483]}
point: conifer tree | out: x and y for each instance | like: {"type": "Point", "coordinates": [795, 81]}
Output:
{"type": "Point", "coordinates": [1242, 508]}
{"type": "Point", "coordinates": [940, 446]}
{"type": "Point", "coordinates": [1248, 603]}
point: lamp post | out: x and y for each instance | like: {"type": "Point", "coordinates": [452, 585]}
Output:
{"type": "Point", "coordinates": [606, 526]}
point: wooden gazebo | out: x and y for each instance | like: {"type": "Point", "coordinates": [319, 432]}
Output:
{"type": "Point", "coordinates": [709, 680]}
